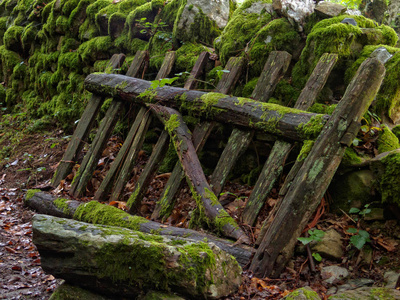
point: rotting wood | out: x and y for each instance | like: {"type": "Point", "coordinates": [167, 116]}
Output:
{"type": "Point", "coordinates": [273, 167]}
{"type": "Point", "coordinates": [89, 163]}
{"type": "Point", "coordinates": [82, 130]}
{"type": "Point", "coordinates": [313, 178]}
{"type": "Point", "coordinates": [108, 181]}
{"type": "Point", "coordinates": [157, 156]}
{"type": "Point", "coordinates": [279, 120]}
{"type": "Point", "coordinates": [200, 136]}
{"type": "Point", "coordinates": [167, 199]}
{"type": "Point", "coordinates": [197, 71]}
{"type": "Point", "coordinates": [122, 166]}
{"type": "Point", "coordinates": [275, 67]}
{"type": "Point", "coordinates": [207, 202]}
{"type": "Point", "coordinates": [138, 63]}
{"type": "Point", "coordinates": [124, 263]}
{"type": "Point", "coordinates": [149, 170]}
{"type": "Point", "coordinates": [134, 148]}
{"type": "Point", "coordinates": [130, 160]}
{"type": "Point", "coordinates": [45, 203]}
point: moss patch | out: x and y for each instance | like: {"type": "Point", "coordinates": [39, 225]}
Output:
{"type": "Point", "coordinates": [389, 182]}
{"type": "Point", "coordinates": [387, 140]}
{"type": "Point", "coordinates": [30, 193]}
{"type": "Point", "coordinates": [97, 213]}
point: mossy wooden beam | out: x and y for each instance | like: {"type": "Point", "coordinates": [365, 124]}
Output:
{"type": "Point", "coordinates": [274, 69]}
{"type": "Point", "coordinates": [97, 213]}
{"type": "Point", "coordinates": [273, 167]}
{"type": "Point", "coordinates": [207, 202]}
{"type": "Point", "coordinates": [82, 130]}
{"type": "Point", "coordinates": [168, 196]}
{"type": "Point", "coordinates": [312, 180]}
{"type": "Point", "coordinates": [279, 120]}
{"type": "Point", "coordinates": [200, 132]}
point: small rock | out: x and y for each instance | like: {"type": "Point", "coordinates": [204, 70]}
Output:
{"type": "Point", "coordinates": [376, 214]}
{"type": "Point", "coordinates": [257, 7]}
{"type": "Point", "coordinates": [305, 293]}
{"type": "Point", "coordinates": [330, 245]}
{"type": "Point", "coordinates": [391, 278]}
{"type": "Point", "coordinates": [353, 12]}
{"type": "Point", "coordinates": [381, 54]}
{"type": "Point", "coordinates": [329, 9]}
{"type": "Point", "coordinates": [67, 291]}
{"type": "Point", "coordinates": [331, 274]}
{"type": "Point", "coordinates": [354, 284]}
{"type": "Point", "coordinates": [368, 293]}
{"type": "Point", "coordinates": [153, 295]}
{"type": "Point", "coordinates": [350, 21]}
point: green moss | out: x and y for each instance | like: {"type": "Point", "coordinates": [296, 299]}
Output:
{"type": "Point", "coordinates": [169, 161]}
{"type": "Point", "coordinates": [387, 140]}
{"type": "Point", "coordinates": [389, 182]}
{"type": "Point", "coordinates": [187, 55]}
{"type": "Point", "coordinates": [396, 131]}
{"type": "Point", "coordinates": [319, 108]}
{"type": "Point", "coordinates": [351, 158]}
{"type": "Point", "coordinates": [249, 87]}
{"type": "Point", "coordinates": [62, 204]}
{"type": "Point", "coordinates": [97, 213]}
{"type": "Point", "coordinates": [132, 201]}
{"type": "Point", "coordinates": [285, 93]}
{"type": "Point", "coordinates": [70, 60]}
{"type": "Point", "coordinates": [312, 128]}
{"type": "Point", "coordinates": [240, 30]}
{"type": "Point", "coordinates": [331, 36]}
{"type": "Point", "coordinates": [30, 193]}
{"type": "Point", "coordinates": [277, 35]}
{"type": "Point", "coordinates": [207, 107]}
{"type": "Point", "coordinates": [305, 150]}
{"type": "Point", "coordinates": [9, 60]}
{"type": "Point", "coordinates": [97, 48]}
{"type": "Point", "coordinates": [12, 38]}
{"type": "Point", "coordinates": [202, 28]}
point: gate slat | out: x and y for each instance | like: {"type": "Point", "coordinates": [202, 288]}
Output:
{"type": "Point", "coordinates": [317, 171]}
{"type": "Point", "coordinates": [225, 85]}
{"type": "Point", "coordinates": [273, 167]}
{"type": "Point", "coordinates": [275, 67]}
{"type": "Point", "coordinates": [82, 130]}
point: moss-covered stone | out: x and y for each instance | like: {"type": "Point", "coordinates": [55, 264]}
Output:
{"type": "Point", "coordinates": [387, 140]}
{"type": "Point", "coordinates": [30, 193]}
{"type": "Point", "coordinates": [187, 55]}
{"type": "Point", "coordinates": [389, 178]}
{"type": "Point", "coordinates": [241, 29]}
{"type": "Point", "coordinates": [332, 36]}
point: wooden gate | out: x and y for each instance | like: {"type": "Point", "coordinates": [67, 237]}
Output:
{"type": "Point", "coordinates": [305, 184]}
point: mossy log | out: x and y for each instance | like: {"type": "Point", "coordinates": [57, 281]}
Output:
{"type": "Point", "coordinates": [95, 212]}
{"type": "Point", "coordinates": [121, 262]}
{"type": "Point", "coordinates": [279, 120]}
{"type": "Point", "coordinates": [207, 202]}
{"type": "Point", "coordinates": [316, 173]}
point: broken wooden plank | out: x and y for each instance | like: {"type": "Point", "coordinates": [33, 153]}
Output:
{"type": "Point", "coordinates": [201, 133]}
{"type": "Point", "coordinates": [138, 63]}
{"type": "Point", "coordinates": [273, 167]}
{"type": "Point", "coordinates": [275, 67]}
{"type": "Point", "coordinates": [279, 120]}
{"type": "Point", "coordinates": [207, 202]}
{"type": "Point", "coordinates": [109, 180]}
{"type": "Point", "coordinates": [89, 163]}
{"type": "Point", "coordinates": [166, 203]}
{"type": "Point", "coordinates": [95, 212]}
{"type": "Point", "coordinates": [197, 71]}
{"type": "Point", "coordinates": [82, 130]}
{"type": "Point", "coordinates": [313, 178]}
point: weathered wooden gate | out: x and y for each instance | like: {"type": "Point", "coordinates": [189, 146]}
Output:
{"type": "Point", "coordinates": [305, 184]}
